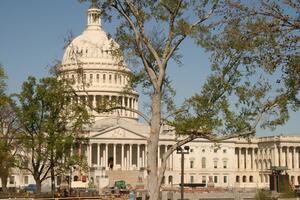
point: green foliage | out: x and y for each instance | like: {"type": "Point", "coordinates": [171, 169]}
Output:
{"type": "Point", "coordinates": [8, 132]}
{"type": "Point", "coordinates": [52, 120]}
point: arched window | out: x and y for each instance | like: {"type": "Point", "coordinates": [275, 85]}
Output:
{"type": "Point", "coordinates": [237, 179]}
{"type": "Point", "coordinates": [244, 179]}
{"type": "Point", "coordinates": [104, 78]}
{"type": "Point", "coordinates": [170, 180]}
{"type": "Point", "coordinates": [75, 178]}
{"type": "Point", "coordinates": [215, 163]}
{"type": "Point", "coordinates": [225, 164]}
{"type": "Point", "coordinates": [203, 163]}
{"type": "Point", "coordinates": [251, 179]}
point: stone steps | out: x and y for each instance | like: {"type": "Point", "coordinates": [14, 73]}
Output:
{"type": "Point", "coordinates": [132, 177]}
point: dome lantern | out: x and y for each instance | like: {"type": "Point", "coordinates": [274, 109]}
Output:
{"type": "Point", "coordinates": [93, 16]}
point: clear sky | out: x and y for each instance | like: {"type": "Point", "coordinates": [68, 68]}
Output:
{"type": "Point", "coordinates": [32, 35]}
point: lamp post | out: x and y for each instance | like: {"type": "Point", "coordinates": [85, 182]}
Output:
{"type": "Point", "coordinates": [182, 151]}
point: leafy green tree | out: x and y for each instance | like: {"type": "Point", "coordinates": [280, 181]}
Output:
{"type": "Point", "coordinates": [8, 133]}
{"type": "Point", "coordinates": [242, 91]}
{"type": "Point", "coordinates": [52, 121]}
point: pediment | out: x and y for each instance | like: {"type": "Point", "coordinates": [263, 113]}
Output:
{"type": "Point", "coordinates": [117, 133]}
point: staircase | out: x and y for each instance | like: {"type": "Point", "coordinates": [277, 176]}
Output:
{"type": "Point", "coordinates": [132, 177]}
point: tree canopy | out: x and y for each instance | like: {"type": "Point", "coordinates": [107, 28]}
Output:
{"type": "Point", "coordinates": [52, 120]}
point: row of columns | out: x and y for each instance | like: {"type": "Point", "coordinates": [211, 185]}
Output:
{"type": "Point", "coordinates": [276, 156]}
{"type": "Point", "coordinates": [245, 158]}
{"type": "Point", "coordinates": [123, 156]}
{"type": "Point", "coordinates": [117, 156]}
{"type": "Point", "coordinates": [287, 156]}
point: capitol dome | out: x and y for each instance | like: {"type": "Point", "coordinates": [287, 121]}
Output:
{"type": "Point", "coordinates": [98, 74]}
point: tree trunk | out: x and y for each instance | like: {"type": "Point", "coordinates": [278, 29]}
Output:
{"type": "Point", "coordinates": [4, 178]}
{"type": "Point", "coordinates": [153, 183]}
{"type": "Point", "coordinates": [38, 183]}
{"type": "Point", "coordinates": [52, 182]}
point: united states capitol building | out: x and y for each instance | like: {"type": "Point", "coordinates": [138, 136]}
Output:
{"type": "Point", "coordinates": [117, 140]}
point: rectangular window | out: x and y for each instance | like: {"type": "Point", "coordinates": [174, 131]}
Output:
{"type": "Point", "coordinates": [98, 78]}
{"type": "Point", "coordinates": [215, 179]}
{"type": "Point", "coordinates": [203, 179]}
{"type": "Point", "coordinates": [203, 162]}
{"type": "Point", "coordinates": [224, 164]}
{"type": "Point", "coordinates": [91, 78]}
{"type": "Point", "coordinates": [11, 180]}
{"type": "Point", "coordinates": [191, 164]}
{"type": "Point", "coordinates": [25, 180]}
{"type": "Point", "coordinates": [215, 164]}
{"type": "Point", "coordinates": [225, 179]}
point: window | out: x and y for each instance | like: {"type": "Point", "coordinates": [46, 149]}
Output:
{"type": "Point", "coordinates": [215, 179]}
{"type": "Point", "coordinates": [191, 164]}
{"type": "Point", "coordinates": [11, 180]}
{"type": "Point", "coordinates": [244, 179]}
{"type": "Point", "coordinates": [192, 179]}
{"type": "Point", "coordinates": [203, 163]}
{"type": "Point", "coordinates": [215, 164]}
{"type": "Point", "coordinates": [116, 78]}
{"type": "Point", "coordinates": [224, 164]}
{"type": "Point", "coordinates": [225, 179]}
{"type": "Point", "coordinates": [109, 78]}
{"type": "Point", "coordinates": [91, 78]}
{"type": "Point", "coordinates": [237, 179]}
{"type": "Point", "coordinates": [170, 180]}
{"type": "Point", "coordinates": [251, 179]}
{"type": "Point", "coordinates": [203, 150]}
{"type": "Point", "coordinates": [203, 179]}
{"type": "Point", "coordinates": [191, 150]}
{"type": "Point", "coordinates": [104, 78]}
{"type": "Point", "coordinates": [25, 180]}
{"type": "Point", "coordinates": [84, 78]}
{"type": "Point", "coordinates": [224, 150]}
{"type": "Point", "coordinates": [97, 77]}
{"type": "Point", "coordinates": [215, 150]}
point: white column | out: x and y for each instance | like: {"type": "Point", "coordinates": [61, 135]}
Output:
{"type": "Point", "coordinates": [241, 160]}
{"type": "Point", "coordinates": [252, 158]}
{"type": "Point", "coordinates": [130, 156]}
{"type": "Point", "coordinates": [94, 101]}
{"type": "Point", "coordinates": [143, 157]}
{"type": "Point", "coordinates": [168, 159]}
{"type": "Point", "coordinates": [89, 155]}
{"type": "Point", "coordinates": [98, 155]}
{"type": "Point", "coordinates": [289, 158]}
{"type": "Point", "coordinates": [106, 156]}
{"type": "Point", "coordinates": [296, 158]}
{"type": "Point", "coordinates": [158, 156]}
{"type": "Point", "coordinates": [146, 156]}
{"type": "Point", "coordinates": [122, 156]}
{"type": "Point", "coordinates": [115, 155]}
{"type": "Point", "coordinates": [276, 156]}
{"type": "Point", "coordinates": [279, 156]}
{"type": "Point", "coordinates": [138, 156]}
{"type": "Point", "coordinates": [247, 163]}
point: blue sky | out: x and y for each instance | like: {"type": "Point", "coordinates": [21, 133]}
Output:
{"type": "Point", "coordinates": [32, 35]}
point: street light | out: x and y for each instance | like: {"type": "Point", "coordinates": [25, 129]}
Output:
{"type": "Point", "coordinates": [182, 151]}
